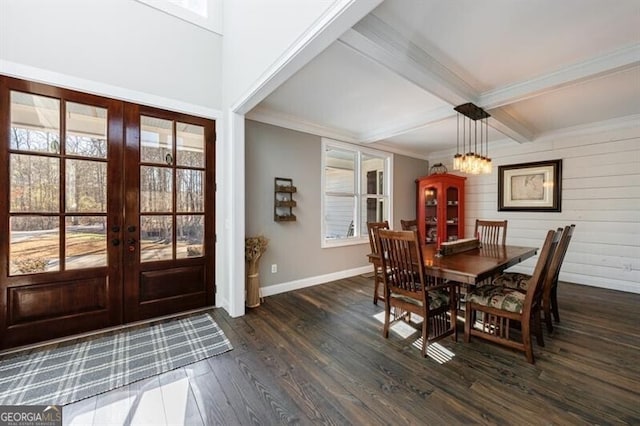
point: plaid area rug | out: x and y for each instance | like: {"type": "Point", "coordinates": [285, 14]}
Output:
{"type": "Point", "coordinates": [72, 372]}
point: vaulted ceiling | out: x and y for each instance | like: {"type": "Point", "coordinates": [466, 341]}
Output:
{"type": "Point", "coordinates": [539, 68]}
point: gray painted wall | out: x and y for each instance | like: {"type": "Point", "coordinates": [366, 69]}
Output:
{"type": "Point", "coordinates": [406, 170]}
{"type": "Point", "coordinates": [295, 246]}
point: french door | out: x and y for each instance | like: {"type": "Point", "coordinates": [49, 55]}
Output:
{"type": "Point", "coordinates": [106, 212]}
{"type": "Point", "coordinates": [169, 219]}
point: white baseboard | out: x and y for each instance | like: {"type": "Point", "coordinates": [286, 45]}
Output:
{"type": "Point", "coordinates": [322, 279]}
{"type": "Point", "coordinates": [311, 281]}
{"type": "Point", "coordinates": [222, 303]}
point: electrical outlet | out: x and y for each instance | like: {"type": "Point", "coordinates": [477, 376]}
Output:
{"type": "Point", "coordinates": [274, 268]}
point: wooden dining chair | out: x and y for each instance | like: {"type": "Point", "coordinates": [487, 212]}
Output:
{"type": "Point", "coordinates": [491, 231]}
{"type": "Point", "coordinates": [409, 225]}
{"type": "Point", "coordinates": [500, 306]}
{"type": "Point", "coordinates": [372, 230]}
{"type": "Point", "coordinates": [551, 297]}
{"type": "Point", "coordinates": [408, 288]}
{"type": "Point", "coordinates": [520, 281]}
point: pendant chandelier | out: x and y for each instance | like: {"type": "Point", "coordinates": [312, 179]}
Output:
{"type": "Point", "coordinates": [474, 161]}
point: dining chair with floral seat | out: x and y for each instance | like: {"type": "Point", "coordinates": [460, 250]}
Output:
{"type": "Point", "coordinates": [500, 307]}
{"type": "Point", "coordinates": [372, 230]}
{"type": "Point", "coordinates": [408, 288]}
{"type": "Point", "coordinates": [520, 281]}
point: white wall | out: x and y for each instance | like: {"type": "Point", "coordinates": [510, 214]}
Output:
{"type": "Point", "coordinates": [257, 33]}
{"type": "Point", "coordinates": [117, 48]}
{"type": "Point", "coordinates": [600, 194]}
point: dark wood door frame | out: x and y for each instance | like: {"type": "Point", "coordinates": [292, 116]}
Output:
{"type": "Point", "coordinates": [37, 307]}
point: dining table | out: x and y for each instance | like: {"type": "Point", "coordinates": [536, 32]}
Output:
{"type": "Point", "coordinates": [473, 266]}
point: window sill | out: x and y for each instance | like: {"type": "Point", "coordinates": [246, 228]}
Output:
{"type": "Point", "coordinates": [343, 242]}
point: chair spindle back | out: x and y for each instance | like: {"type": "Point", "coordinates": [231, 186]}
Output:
{"type": "Point", "coordinates": [491, 231]}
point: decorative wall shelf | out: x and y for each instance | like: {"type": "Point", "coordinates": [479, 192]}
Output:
{"type": "Point", "coordinates": [283, 202]}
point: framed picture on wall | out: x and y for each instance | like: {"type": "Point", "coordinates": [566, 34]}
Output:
{"type": "Point", "coordinates": [530, 187]}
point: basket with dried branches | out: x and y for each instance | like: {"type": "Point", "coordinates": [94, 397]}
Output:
{"type": "Point", "coordinates": [254, 248]}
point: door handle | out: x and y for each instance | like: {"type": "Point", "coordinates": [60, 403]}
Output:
{"type": "Point", "coordinates": [131, 245]}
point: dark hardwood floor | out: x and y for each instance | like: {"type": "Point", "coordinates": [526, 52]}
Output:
{"type": "Point", "coordinates": [317, 356]}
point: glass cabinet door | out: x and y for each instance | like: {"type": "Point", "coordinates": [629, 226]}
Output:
{"type": "Point", "coordinates": [440, 208]}
{"type": "Point", "coordinates": [431, 214]}
{"type": "Point", "coordinates": [453, 214]}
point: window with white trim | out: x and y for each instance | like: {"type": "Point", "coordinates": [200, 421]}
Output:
{"type": "Point", "coordinates": [356, 184]}
{"type": "Point", "coordinates": [203, 13]}
{"type": "Point", "coordinates": [198, 7]}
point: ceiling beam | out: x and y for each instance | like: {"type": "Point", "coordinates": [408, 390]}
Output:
{"type": "Point", "coordinates": [405, 126]}
{"type": "Point", "coordinates": [269, 116]}
{"type": "Point", "coordinates": [379, 42]}
{"type": "Point", "coordinates": [382, 44]}
{"type": "Point", "coordinates": [596, 67]}
{"type": "Point", "coordinates": [509, 126]}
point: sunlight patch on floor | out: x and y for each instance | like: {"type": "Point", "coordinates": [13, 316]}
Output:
{"type": "Point", "coordinates": [175, 396]}
{"type": "Point", "coordinates": [147, 407]}
{"type": "Point", "coordinates": [435, 351]}
{"type": "Point", "coordinates": [401, 328]}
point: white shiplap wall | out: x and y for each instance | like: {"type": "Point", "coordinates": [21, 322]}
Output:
{"type": "Point", "coordinates": [600, 194]}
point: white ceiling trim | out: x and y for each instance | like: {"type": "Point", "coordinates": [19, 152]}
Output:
{"type": "Point", "coordinates": [269, 116]}
{"type": "Point", "coordinates": [596, 67]}
{"type": "Point", "coordinates": [395, 150]}
{"type": "Point", "coordinates": [630, 121]}
{"type": "Point", "coordinates": [318, 37]}
{"type": "Point", "coordinates": [415, 123]}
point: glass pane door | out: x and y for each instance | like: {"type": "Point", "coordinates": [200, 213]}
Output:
{"type": "Point", "coordinates": [60, 253]}
{"type": "Point", "coordinates": [171, 190]}
{"type": "Point", "coordinates": [57, 192]}
{"type": "Point", "coordinates": [431, 214]}
{"type": "Point", "coordinates": [169, 175]}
